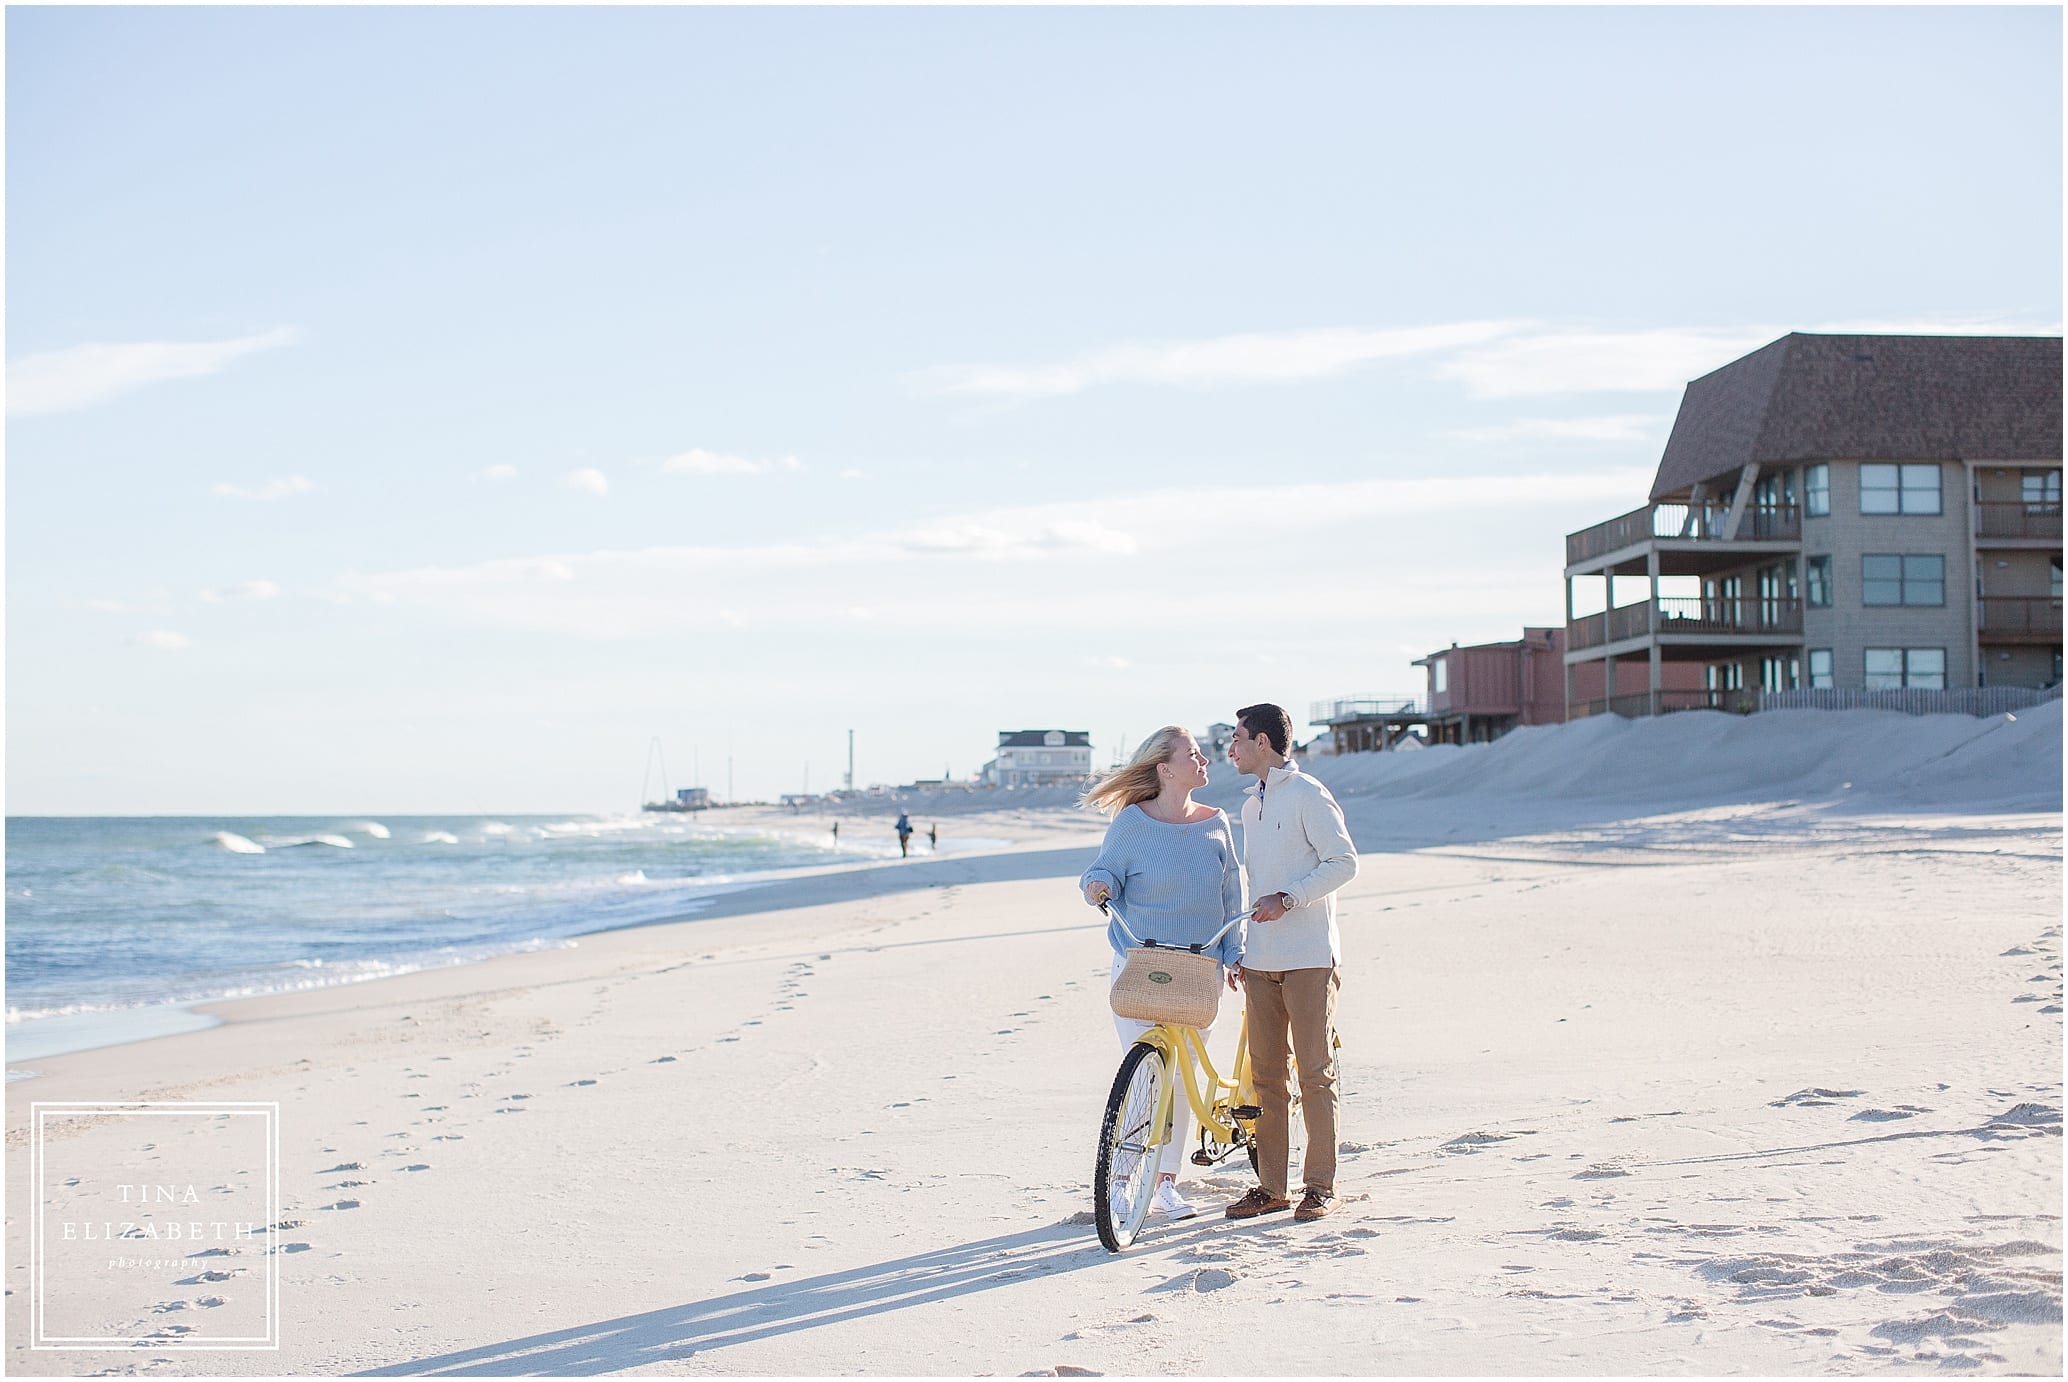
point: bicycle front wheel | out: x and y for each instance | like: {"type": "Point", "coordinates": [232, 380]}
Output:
{"type": "Point", "coordinates": [1129, 1147]}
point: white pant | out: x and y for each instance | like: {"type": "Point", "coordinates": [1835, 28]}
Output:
{"type": "Point", "coordinates": [1172, 1160]}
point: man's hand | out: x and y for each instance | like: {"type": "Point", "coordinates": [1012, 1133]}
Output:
{"type": "Point", "coordinates": [1235, 976]}
{"type": "Point", "coordinates": [1270, 907]}
{"type": "Point", "coordinates": [1096, 894]}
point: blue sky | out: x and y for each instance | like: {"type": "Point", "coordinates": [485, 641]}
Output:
{"type": "Point", "coordinates": [420, 409]}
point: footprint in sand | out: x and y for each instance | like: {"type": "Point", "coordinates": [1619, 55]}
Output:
{"type": "Point", "coordinates": [669, 1060]}
{"type": "Point", "coordinates": [575, 1084]}
{"type": "Point", "coordinates": [1815, 1098]}
{"type": "Point", "coordinates": [343, 1204]}
{"type": "Point", "coordinates": [419, 1166]}
{"type": "Point", "coordinates": [1887, 1115]}
{"type": "Point", "coordinates": [205, 1277]}
{"type": "Point", "coordinates": [343, 1166]}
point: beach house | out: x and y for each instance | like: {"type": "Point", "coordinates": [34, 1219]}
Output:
{"type": "Point", "coordinates": [1473, 694]}
{"type": "Point", "coordinates": [1039, 758]}
{"type": "Point", "coordinates": [1849, 513]}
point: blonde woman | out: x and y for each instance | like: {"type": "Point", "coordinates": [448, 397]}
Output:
{"type": "Point", "coordinates": [1171, 866]}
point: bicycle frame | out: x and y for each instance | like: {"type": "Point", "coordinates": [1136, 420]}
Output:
{"type": "Point", "coordinates": [1184, 1048]}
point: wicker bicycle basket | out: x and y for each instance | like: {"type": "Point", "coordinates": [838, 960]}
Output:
{"type": "Point", "coordinates": [1168, 984]}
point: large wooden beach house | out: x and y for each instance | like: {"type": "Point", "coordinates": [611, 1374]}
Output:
{"type": "Point", "coordinates": [1851, 513]}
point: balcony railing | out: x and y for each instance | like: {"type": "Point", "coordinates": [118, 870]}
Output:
{"type": "Point", "coordinates": [1632, 704]}
{"type": "Point", "coordinates": [2017, 520]}
{"type": "Point", "coordinates": [1686, 615]}
{"type": "Point", "coordinates": [1350, 707]}
{"type": "Point", "coordinates": [2018, 618]}
{"type": "Point", "coordinates": [1702, 523]}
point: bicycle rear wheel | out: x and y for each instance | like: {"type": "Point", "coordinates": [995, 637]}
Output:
{"type": "Point", "coordinates": [1129, 1147]}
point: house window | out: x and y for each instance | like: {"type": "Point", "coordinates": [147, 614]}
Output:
{"type": "Point", "coordinates": [1816, 490]}
{"type": "Point", "coordinates": [2053, 577]}
{"type": "Point", "coordinates": [1817, 575]}
{"type": "Point", "coordinates": [1820, 667]}
{"type": "Point", "coordinates": [1912, 489]}
{"type": "Point", "coordinates": [2040, 490]}
{"type": "Point", "coordinates": [1725, 676]}
{"type": "Point", "coordinates": [1439, 671]}
{"type": "Point", "coordinates": [1892, 669]}
{"type": "Point", "coordinates": [1887, 579]}
{"type": "Point", "coordinates": [1779, 673]}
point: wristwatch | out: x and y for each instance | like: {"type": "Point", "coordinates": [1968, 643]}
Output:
{"type": "Point", "coordinates": [1285, 900]}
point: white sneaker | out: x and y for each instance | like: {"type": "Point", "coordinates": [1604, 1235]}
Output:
{"type": "Point", "coordinates": [1169, 1203]}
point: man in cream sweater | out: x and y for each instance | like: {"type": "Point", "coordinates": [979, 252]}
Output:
{"type": "Point", "coordinates": [1298, 852]}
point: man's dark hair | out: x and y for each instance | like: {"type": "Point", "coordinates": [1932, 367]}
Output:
{"type": "Point", "coordinates": [1269, 723]}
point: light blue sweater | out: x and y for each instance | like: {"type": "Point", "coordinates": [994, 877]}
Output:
{"type": "Point", "coordinates": [1177, 884]}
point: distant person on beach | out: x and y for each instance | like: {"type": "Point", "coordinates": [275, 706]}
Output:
{"type": "Point", "coordinates": [1169, 863]}
{"type": "Point", "coordinates": [1298, 853]}
{"type": "Point", "coordinates": [933, 837]}
{"type": "Point", "coordinates": [904, 836]}
{"type": "Point", "coordinates": [836, 832]}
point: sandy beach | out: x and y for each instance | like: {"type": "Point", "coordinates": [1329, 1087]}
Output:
{"type": "Point", "coordinates": [1761, 1077]}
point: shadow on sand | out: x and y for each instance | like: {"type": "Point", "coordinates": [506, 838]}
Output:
{"type": "Point", "coordinates": [655, 1337]}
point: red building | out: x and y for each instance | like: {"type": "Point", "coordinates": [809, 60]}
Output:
{"type": "Point", "coordinates": [1476, 694]}
{"type": "Point", "coordinates": [1479, 693]}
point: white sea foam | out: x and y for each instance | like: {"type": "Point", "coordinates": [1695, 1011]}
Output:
{"type": "Point", "coordinates": [302, 841]}
{"type": "Point", "coordinates": [440, 837]}
{"type": "Point", "coordinates": [495, 828]}
{"type": "Point", "coordinates": [237, 844]}
{"type": "Point", "coordinates": [372, 829]}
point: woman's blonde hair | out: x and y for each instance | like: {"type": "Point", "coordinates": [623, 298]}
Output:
{"type": "Point", "coordinates": [1123, 787]}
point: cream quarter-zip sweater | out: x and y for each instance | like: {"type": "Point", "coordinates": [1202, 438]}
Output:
{"type": "Point", "coordinates": [1294, 841]}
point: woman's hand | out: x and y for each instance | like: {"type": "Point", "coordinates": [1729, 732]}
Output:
{"type": "Point", "coordinates": [1096, 893]}
{"type": "Point", "coordinates": [1234, 977]}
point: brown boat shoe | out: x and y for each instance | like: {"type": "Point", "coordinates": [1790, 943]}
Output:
{"type": "Point", "coordinates": [1315, 1204]}
{"type": "Point", "coordinates": [1257, 1201]}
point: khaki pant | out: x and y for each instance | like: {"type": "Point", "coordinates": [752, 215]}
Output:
{"type": "Point", "coordinates": [1301, 1002]}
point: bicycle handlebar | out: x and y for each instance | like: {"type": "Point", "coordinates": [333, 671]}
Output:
{"type": "Point", "coordinates": [1114, 912]}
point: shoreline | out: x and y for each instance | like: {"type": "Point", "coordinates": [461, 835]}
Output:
{"type": "Point", "coordinates": [104, 1028]}
{"type": "Point", "coordinates": [47, 1035]}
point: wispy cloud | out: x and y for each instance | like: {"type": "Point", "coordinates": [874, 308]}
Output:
{"type": "Point", "coordinates": [1541, 362]}
{"type": "Point", "coordinates": [589, 480]}
{"type": "Point", "coordinates": [697, 461]}
{"type": "Point", "coordinates": [992, 569]}
{"type": "Point", "coordinates": [272, 489]}
{"type": "Point", "coordinates": [497, 473]}
{"type": "Point", "coordinates": [80, 376]}
{"type": "Point", "coordinates": [1268, 356]}
{"type": "Point", "coordinates": [243, 590]}
{"type": "Point", "coordinates": [165, 641]}
{"type": "Point", "coordinates": [1559, 362]}
{"type": "Point", "coordinates": [1621, 427]}
{"type": "Point", "coordinates": [1492, 359]}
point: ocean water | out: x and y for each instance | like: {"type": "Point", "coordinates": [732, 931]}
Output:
{"type": "Point", "coordinates": [110, 920]}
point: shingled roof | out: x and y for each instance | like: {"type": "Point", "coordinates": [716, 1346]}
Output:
{"type": "Point", "coordinates": [1869, 398]}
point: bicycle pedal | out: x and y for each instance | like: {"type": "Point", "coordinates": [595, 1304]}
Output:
{"type": "Point", "coordinates": [1247, 1112]}
{"type": "Point", "coordinates": [1201, 1158]}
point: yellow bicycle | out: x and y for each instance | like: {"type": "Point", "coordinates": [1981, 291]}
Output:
{"type": "Point", "coordinates": [1141, 1114]}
